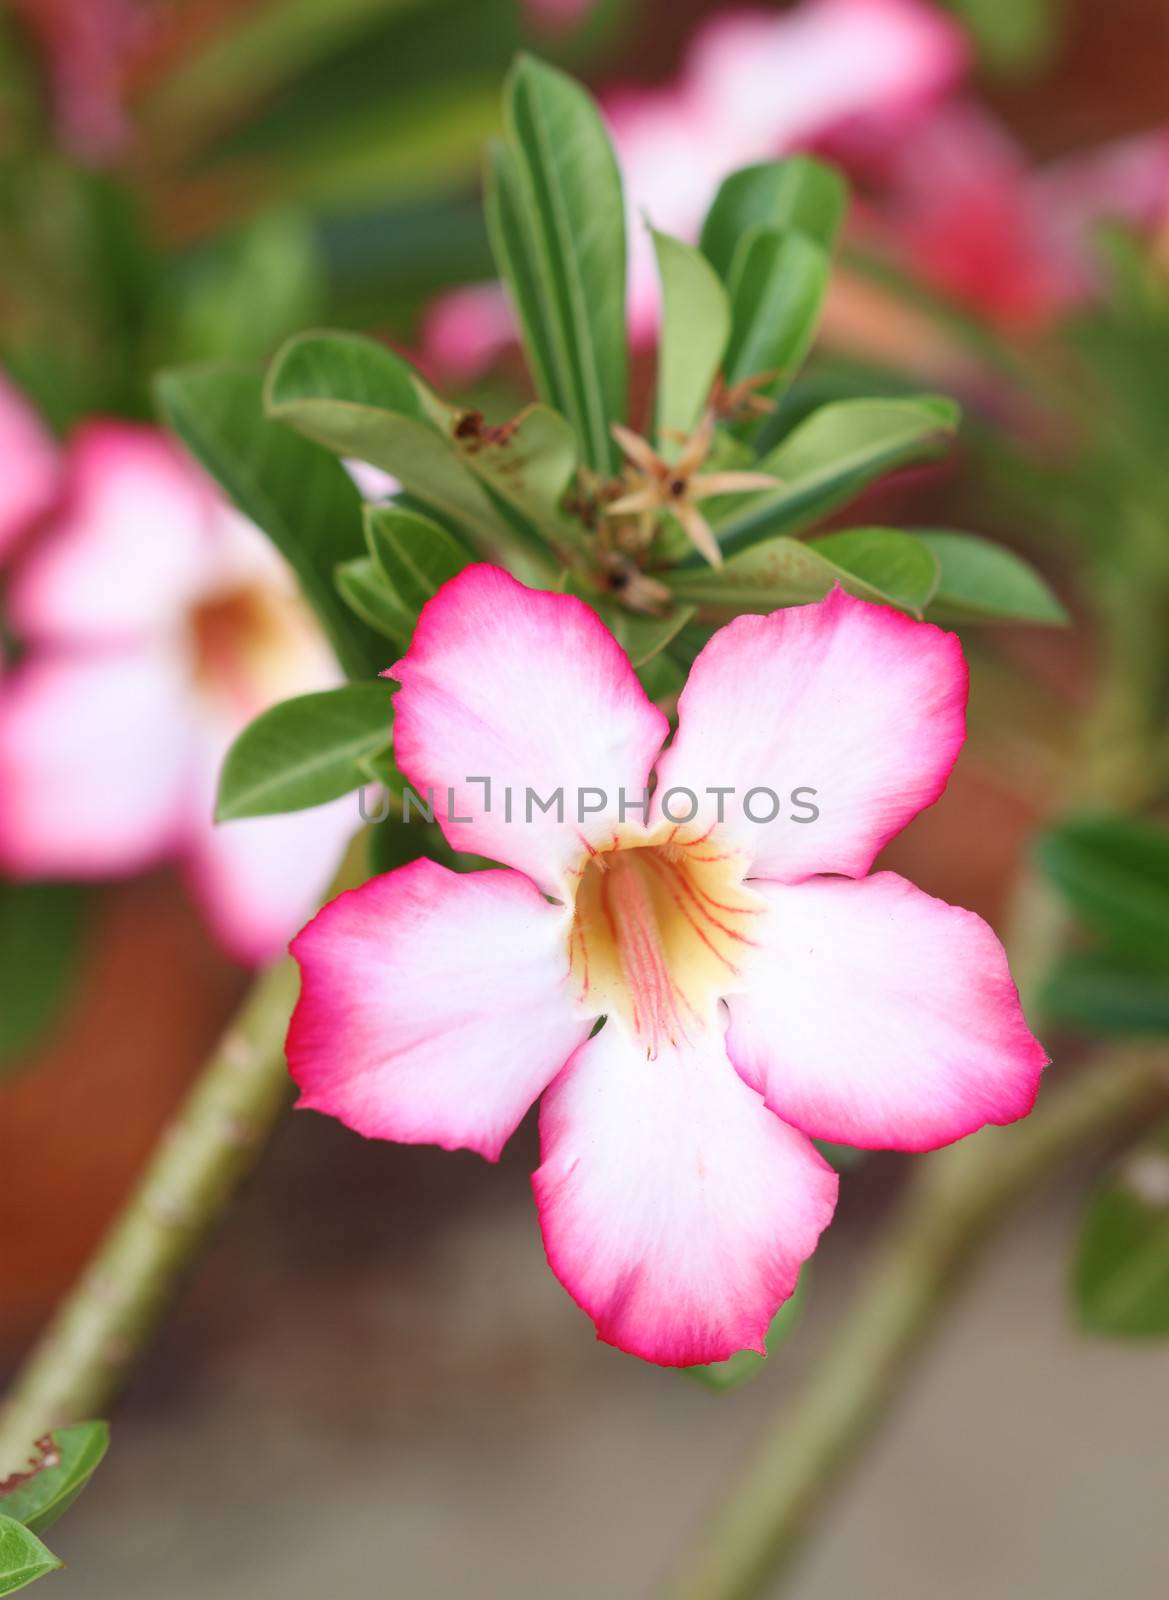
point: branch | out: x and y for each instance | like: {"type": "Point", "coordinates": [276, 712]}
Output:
{"type": "Point", "coordinates": [108, 1319]}
{"type": "Point", "coordinates": [952, 1204]}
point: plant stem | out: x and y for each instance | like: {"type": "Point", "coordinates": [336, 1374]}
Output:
{"type": "Point", "coordinates": [953, 1202]}
{"type": "Point", "coordinates": [109, 1317]}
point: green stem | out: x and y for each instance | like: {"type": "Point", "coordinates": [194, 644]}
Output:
{"type": "Point", "coordinates": [109, 1317]}
{"type": "Point", "coordinates": [953, 1203]}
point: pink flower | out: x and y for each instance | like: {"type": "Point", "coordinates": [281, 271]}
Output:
{"type": "Point", "coordinates": [158, 623]}
{"type": "Point", "coordinates": [755, 85]}
{"type": "Point", "coordinates": [759, 989]}
{"type": "Point", "coordinates": [960, 203]}
{"type": "Point", "coordinates": [89, 46]}
{"type": "Point", "coordinates": [29, 472]}
{"type": "Point", "coordinates": [466, 330]}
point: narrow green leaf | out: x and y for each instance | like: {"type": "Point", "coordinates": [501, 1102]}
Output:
{"type": "Point", "coordinates": [981, 581]}
{"type": "Point", "coordinates": [878, 564]}
{"type": "Point", "coordinates": [300, 496]}
{"type": "Point", "coordinates": [514, 247]}
{"type": "Point", "coordinates": [831, 456]}
{"type": "Point", "coordinates": [359, 399]}
{"type": "Point", "coordinates": [895, 565]}
{"type": "Point", "coordinates": [777, 288]}
{"type": "Point", "coordinates": [1121, 1275]}
{"type": "Point", "coordinates": [696, 324]}
{"type": "Point", "coordinates": [306, 751]}
{"type": "Point", "coordinates": [65, 1462]}
{"type": "Point", "coordinates": [40, 931]}
{"type": "Point", "coordinates": [799, 193]}
{"type": "Point", "coordinates": [574, 211]}
{"type": "Point", "coordinates": [23, 1558]}
{"type": "Point", "coordinates": [1114, 872]}
{"type": "Point", "coordinates": [415, 555]}
{"type": "Point", "coordinates": [366, 591]}
{"type": "Point", "coordinates": [738, 1369]}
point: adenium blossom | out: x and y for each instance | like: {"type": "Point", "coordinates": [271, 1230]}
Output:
{"type": "Point", "coordinates": [759, 989]}
{"type": "Point", "coordinates": [754, 85]}
{"type": "Point", "coordinates": [28, 467]}
{"type": "Point", "coordinates": [89, 48]}
{"type": "Point", "coordinates": [158, 622]}
{"type": "Point", "coordinates": [963, 206]}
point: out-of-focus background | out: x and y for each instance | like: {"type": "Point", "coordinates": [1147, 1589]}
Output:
{"type": "Point", "coordinates": [374, 1381]}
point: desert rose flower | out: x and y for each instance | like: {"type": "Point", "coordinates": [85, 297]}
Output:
{"type": "Point", "coordinates": [158, 622]}
{"type": "Point", "coordinates": [29, 467]}
{"type": "Point", "coordinates": [89, 47]}
{"type": "Point", "coordinates": [758, 989]}
{"type": "Point", "coordinates": [962, 205]}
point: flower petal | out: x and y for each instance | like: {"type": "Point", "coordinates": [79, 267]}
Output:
{"type": "Point", "coordinates": [854, 702]}
{"type": "Point", "coordinates": [434, 1006]}
{"type": "Point", "coordinates": [878, 1016]}
{"type": "Point", "coordinates": [639, 451]}
{"type": "Point", "coordinates": [130, 548]}
{"type": "Point", "coordinates": [698, 531]}
{"type": "Point", "coordinates": [530, 690]}
{"type": "Point", "coordinates": [29, 466]}
{"type": "Point", "coordinates": [260, 877]}
{"type": "Point", "coordinates": [96, 758]}
{"type": "Point", "coordinates": [676, 1209]}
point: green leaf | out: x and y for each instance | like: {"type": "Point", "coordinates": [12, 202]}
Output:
{"type": "Point", "coordinates": [359, 399]}
{"type": "Point", "coordinates": [643, 638]}
{"type": "Point", "coordinates": [1107, 992]}
{"type": "Point", "coordinates": [527, 463]}
{"type": "Point", "coordinates": [747, 1364]}
{"type": "Point", "coordinates": [1114, 872]}
{"type": "Point", "coordinates": [306, 751]}
{"type": "Point", "coordinates": [66, 1461]}
{"type": "Point", "coordinates": [883, 565]}
{"type": "Point", "coordinates": [23, 1558]}
{"type": "Point", "coordinates": [893, 564]}
{"type": "Point", "coordinates": [798, 193]}
{"type": "Point", "coordinates": [40, 931]}
{"type": "Point", "coordinates": [1121, 1275]}
{"type": "Point", "coordinates": [982, 581]}
{"type": "Point", "coordinates": [300, 496]}
{"type": "Point", "coordinates": [696, 324]}
{"type": "Point", "coordinates": [831, 456]}
{"type": "Point", "coordinates": [575, 218]}
{"type": "Point", "coordinates": [514, 246]}
{"type": "Point", "coordinates": [416, 556]}
{"type": "Point", "coordinates": [365, 590]}
{"type": "Point", "coordinates": [777, 288]}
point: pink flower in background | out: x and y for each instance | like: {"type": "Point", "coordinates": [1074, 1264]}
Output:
{"type": "Point", "coordinates": [466, 330]}
{"type": "Point", "coordinates": [754, 85]}
{"type": "Point", "coordinates": [759, 989]}
{"type": "Point", "coordinates": [960, 204]}
{"type": "Point", "coordinates": [28, 467]}
{"type": "Point", "coordinates": [88, 45]}
{"type": "Point", "coordinates": [158, 622]}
